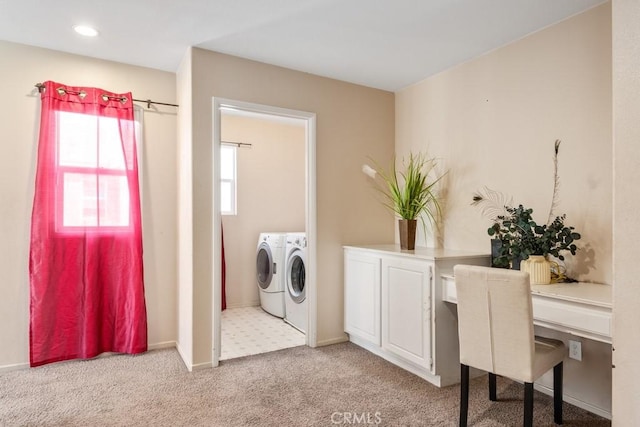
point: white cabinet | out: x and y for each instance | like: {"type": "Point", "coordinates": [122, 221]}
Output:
{"type": "Point", "coordinates": [362, 297]}
{"type": "Point", "coordinates": [394, 307]}
{"type": "Point", "coordinates": [406, 309]}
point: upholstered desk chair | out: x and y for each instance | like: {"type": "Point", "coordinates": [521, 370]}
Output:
{"type": "Point", "coordinates": [495, 326]}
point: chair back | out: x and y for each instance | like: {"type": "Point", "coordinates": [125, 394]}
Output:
{"type": "Point", "coordinates": [495, 320]}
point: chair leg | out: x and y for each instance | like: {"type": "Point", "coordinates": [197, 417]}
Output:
{"type": "Point", "coordinates": [528, 404]}
{"type": "Point", "coordinates": [557, 393]}
{"type": "Point", "coordinates": [492, 387]}
{"type": "Point", "coordinates": [464, 394]}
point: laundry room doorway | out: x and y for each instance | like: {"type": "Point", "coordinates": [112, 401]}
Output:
{"type": "Point", "coordinates": [295, 169]}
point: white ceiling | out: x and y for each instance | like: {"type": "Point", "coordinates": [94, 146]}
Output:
{"type": "Point", "coordinates": [385, 44]}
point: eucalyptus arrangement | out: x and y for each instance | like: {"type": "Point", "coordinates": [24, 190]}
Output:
{"type": "Point", "coordinates": [521, 237]}
{"type": "Point", "coordinates": [516, 235]}
{"type": "Point", "coordinates": [410, 193]}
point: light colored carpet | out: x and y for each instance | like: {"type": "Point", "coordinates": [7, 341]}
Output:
{"type": "Point", "coordinates": [301, 386]}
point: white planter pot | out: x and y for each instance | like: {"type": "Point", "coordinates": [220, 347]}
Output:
{"type": "Point", "coordinates": [539, 269]}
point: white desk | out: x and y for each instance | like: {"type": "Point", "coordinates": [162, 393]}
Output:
{"type": "Point", "coordinates": [581, 309]}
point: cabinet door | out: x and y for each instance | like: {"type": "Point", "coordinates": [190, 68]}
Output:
{"type": "Point", "coordinates": [362, 296]}
{"type": "Point", "coordinates": [406, 309]}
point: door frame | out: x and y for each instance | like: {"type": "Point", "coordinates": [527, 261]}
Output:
{"type": "Point", "coordinates": [220, 104]}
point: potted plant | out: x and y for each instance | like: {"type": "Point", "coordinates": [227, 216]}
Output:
{"type": "Point", "coordinates": [517, 237]}
{"type": "Point", "coordinates": [409, 193]}
{"type": "Point", "coordinates": [522, 239]}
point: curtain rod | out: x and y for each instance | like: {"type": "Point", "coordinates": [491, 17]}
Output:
{"type": "Point", "coordinates": [237, 144]}
{"type": "Point", "coordinates": [40, 87]}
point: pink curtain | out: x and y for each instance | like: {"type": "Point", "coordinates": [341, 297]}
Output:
{"type": "Point", "coordinates": [85, 265]}
{"type": "Point", "coordinates": [224, 273]}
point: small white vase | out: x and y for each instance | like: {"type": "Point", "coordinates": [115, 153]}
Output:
{"type": "Point", "coordinates": [539, 269]}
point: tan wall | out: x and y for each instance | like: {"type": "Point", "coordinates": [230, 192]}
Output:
{"type": "Point", "coordinates": [626, 129]}
{"type": "Point", "coordinates": [352, 123]}
{"type": "Point", "coordinates": [494, 120]}
{"type": "Point", "coordinates": [24, 66]}
{"type": "Point", "coordinates": [271, 196]}
{"type": "Point", "coordinates": [185, 211]}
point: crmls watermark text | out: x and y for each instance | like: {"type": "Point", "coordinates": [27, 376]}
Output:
{"type": "Point", "coordinates": [367, 418]}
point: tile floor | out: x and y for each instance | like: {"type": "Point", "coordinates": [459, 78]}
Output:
{"type": "Point", "coordinates": [251, 330]}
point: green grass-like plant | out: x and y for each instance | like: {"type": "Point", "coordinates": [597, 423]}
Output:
{"type": "Point", "coordinates": [411, 192]}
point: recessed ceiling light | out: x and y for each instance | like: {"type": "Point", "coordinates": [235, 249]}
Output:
{"type": "Point", "coordinates": [85, 30]}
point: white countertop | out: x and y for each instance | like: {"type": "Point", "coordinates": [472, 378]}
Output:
{"type": "Point", "coordinates": [419, 252]}
{"type": "Point", "coordinates": [582, 292]}
{"type": "Point", "coordinates": [580, 308]}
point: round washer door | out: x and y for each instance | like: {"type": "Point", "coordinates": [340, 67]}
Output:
{"type": "Point", "coordinates": [264, 265]}
{"type": "Point", "coordinates": [296, 276]}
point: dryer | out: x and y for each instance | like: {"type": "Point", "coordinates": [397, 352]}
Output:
{"type": "Point", "coordinates": [270, 272]}
{"type": "Point", "coordinates": [296, 292]}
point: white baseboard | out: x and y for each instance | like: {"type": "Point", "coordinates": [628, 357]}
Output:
{"type": "Point", "coordinates": [160, 345]}
{"type": "Point", "coordinates": [19, 366]}
{"type": "Point", "coordinates": [421, 371]}
{"type": "Point", "coordinates": [331, 341]}
{"type": "Point", "coordinates": [200, 366]}
{"type": "Point", "coordinates": [575, 402]}
{"type": "Point", "coordinates": [13, 367]}
{"type": "Point", "coordinates": [187, 364]}
{"type": "Point", "coordinates": [191, 367]}
{"type": "Point", "coordinates": [243, 305]}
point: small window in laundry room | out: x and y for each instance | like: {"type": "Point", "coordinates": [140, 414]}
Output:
{"type": "Point", "coordinates": [228, 184]}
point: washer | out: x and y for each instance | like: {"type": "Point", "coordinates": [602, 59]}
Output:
{"type": "Point", "coordinates": [296, 292]}
{"type": "Point", "coordinates": [270, 272]}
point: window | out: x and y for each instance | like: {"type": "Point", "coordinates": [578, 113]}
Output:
{"type": "Point", "coordinates": [93, 190]}
{"type": "Point", "coordinates": [228, 185]}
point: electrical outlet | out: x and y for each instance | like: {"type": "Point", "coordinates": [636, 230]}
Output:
{"type": "Point", "coordinates": [575, 350]}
